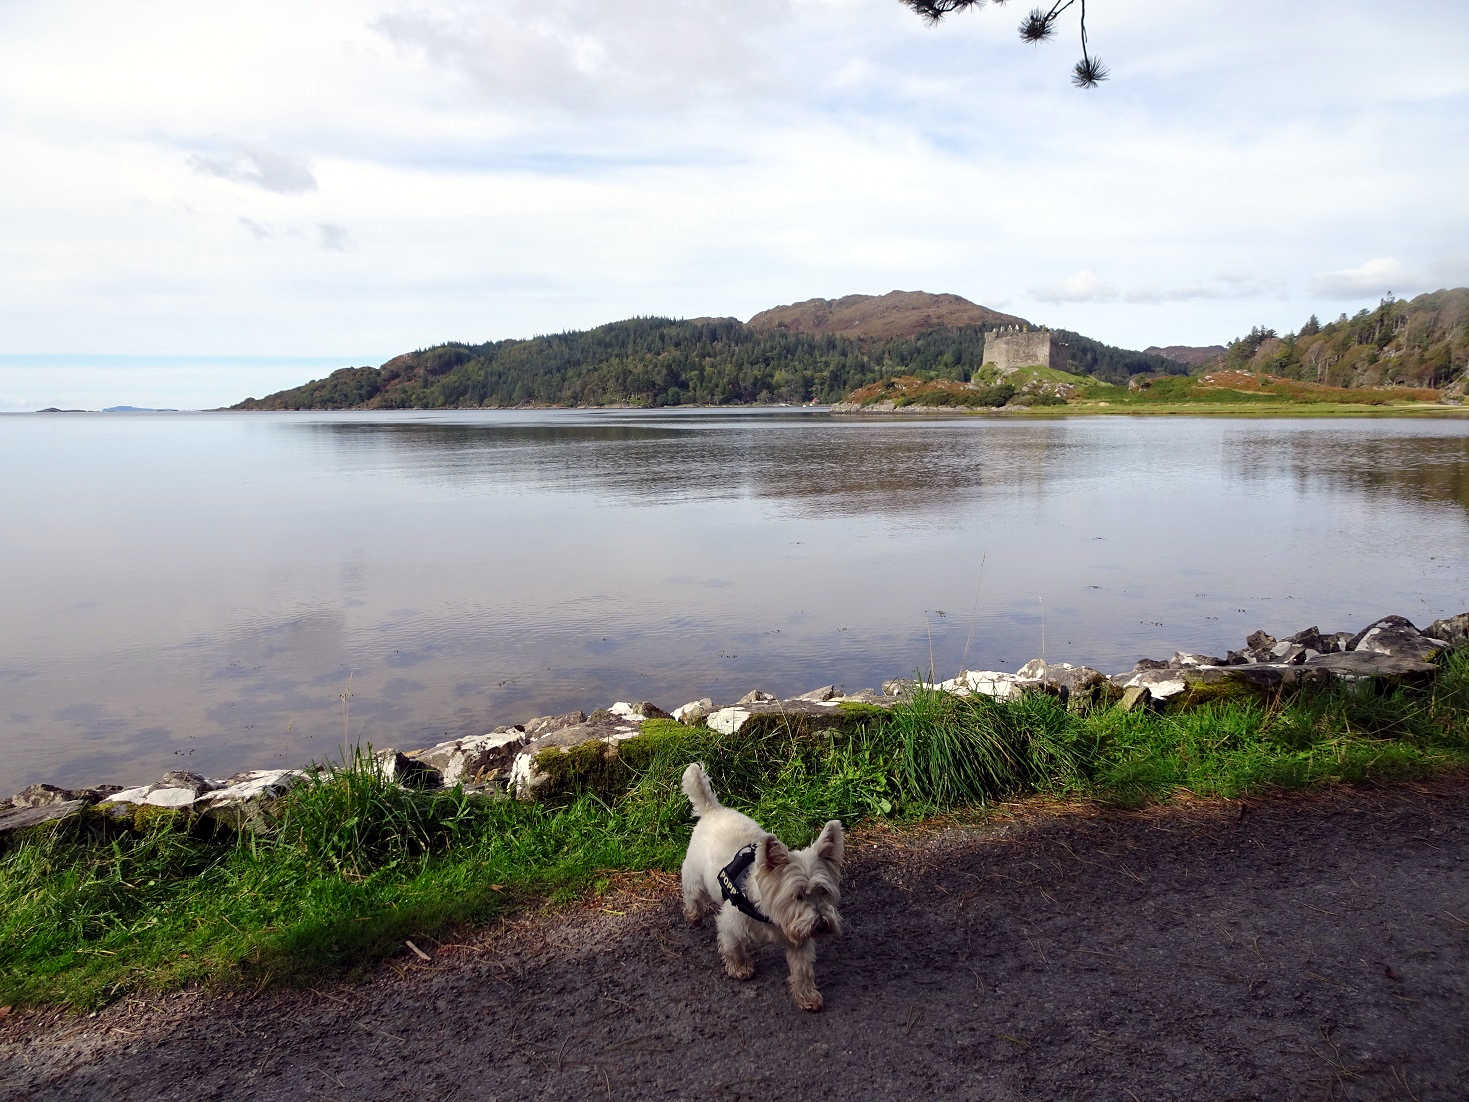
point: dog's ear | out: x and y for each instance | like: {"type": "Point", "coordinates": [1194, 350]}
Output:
{"type": "Point", "coordinates": [831, 843]}
{"type": "Point", "coordinates": [772, 853]}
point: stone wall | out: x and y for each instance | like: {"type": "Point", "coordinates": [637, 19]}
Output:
{"type": "Point", "coordinates": [1012, 347]}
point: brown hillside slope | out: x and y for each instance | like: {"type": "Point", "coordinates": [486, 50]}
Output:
{"type": "Point", "coordinates": [895, 314]}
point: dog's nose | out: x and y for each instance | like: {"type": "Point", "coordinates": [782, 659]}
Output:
{"type": "Point", "coordinates": [821, 926]}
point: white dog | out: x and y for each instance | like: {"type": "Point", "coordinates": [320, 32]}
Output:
{"type": "Point", "coordinates": [763, 890]}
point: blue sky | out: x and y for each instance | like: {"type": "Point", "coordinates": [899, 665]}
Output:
{"type": "Point", "coordinates": [207, 201]}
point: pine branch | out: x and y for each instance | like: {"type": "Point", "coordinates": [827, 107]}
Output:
{"type": "Point", "coordinates": [1038, 26]}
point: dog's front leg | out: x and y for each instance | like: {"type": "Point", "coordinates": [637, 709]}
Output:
{"type": "Point", "coordinates": [801, 960]}
{"type": "Point", "coordinates": [734, 949]}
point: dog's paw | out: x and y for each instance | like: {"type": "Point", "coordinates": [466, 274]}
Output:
{"type": "Point", "coordinates": [739, 970]}
{"type": "Point", "coordinates": [693, 914]}
{"type": "Point", "coordinates": [808, 1000]}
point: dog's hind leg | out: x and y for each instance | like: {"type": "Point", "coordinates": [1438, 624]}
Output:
{"type": "Point", "coordinates": [733, 948]}
{"type": "Point", "coordinates": [801, 960]}
{"type": "Point", "coordinates": [696, 899]}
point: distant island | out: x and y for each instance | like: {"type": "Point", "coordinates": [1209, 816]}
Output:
{"type": "Point", "coordinates": [825, 351]}
{"type": "Point", "coordinates": [109, 409]}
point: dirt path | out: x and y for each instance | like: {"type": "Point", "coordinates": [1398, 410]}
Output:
{"type": "Point", "coordinates": [1297, 948]}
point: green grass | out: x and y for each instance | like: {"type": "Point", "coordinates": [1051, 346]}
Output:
{"type": "Point", "coordinates": [92, 909]}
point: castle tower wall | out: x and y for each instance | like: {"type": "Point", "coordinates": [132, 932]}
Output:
{"type": "Point", "coordinates": [1010, 348]}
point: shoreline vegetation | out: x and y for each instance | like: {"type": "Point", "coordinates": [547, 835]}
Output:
{"type": "Point", "coordinates": [352, 864]}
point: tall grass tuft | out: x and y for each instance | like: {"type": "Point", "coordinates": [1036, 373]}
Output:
{"type": "Point", "coordinates": [354, 820]}
{"type": "Point", "coordinates": [954, 751]}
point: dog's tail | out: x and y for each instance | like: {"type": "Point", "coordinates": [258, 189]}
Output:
{"type": "Point", "coordinates": [697, 788]}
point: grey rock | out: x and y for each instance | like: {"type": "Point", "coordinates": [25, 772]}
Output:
{"type": "Point", "coordinates": [176, 789]}
{"type": "Point", "coordinates": [797, 716]}
{"type": "Point", "coordinates": [545, 725]}
{"type": "Point", "coordinates": [826, 692]}
{"type": "Point", "coordinates": [871, 696]}
{"type": "Point", "coordinates": [1161, 684]}
{"type": "Point", "coordinates": [409, 772]}
{"type": "Point", "coordinates": [1401, 623]}
{"type": "Point", "coordinates": [1339, 640]}
{"type": "Point", "coordinates": [247, 801]}
{"type": "Point", "coordinates": [528, 779]}
{"type": "Point", "coordinates": [1396, 636]}
{"type": "Point", "coordinates": [1312, 639]}
{"type": "Point", "coordinates": [900, 688]}
{"type": "Point", "coordinates": [1290, 654]}
{"type": "Point", "coordinates": [1189, 658]}
{"type": "Point", "coordinates": [41, 795]}
{"type": "Point", "coordinates": [1359, 665]}
{"type": "Point", "coordinates": [636, 713]}
{"type": "Point", "coordinates": [1259, 640]}
{"type": "Point", "coordinates": [756, 696]}
{"type": "Point", "coordinates": [1077, 686]}
{"type": "Point", "coordinates": [1135, 698]}
{"type": "Point", "coordinates": [98, 792]}
{"type": "Point", "coordinates": [694, 712]}
{"type": "Point", "coordinates": [19, 818]}
{"type": "Point", "coordinates": [1259, 676]}
{"type": "Point", "coordinates": [179, 778]}
{"type": "Point", "coordinates": [1236, 658]}
{"type": "Point", "coordinates": [476, 758]}
{"type": "Point", "coordinates": [1453, 630]}
{"type": "Point", "coordinates": [993, 683]}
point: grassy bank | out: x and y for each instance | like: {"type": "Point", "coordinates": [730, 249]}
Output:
{"type": "Point", "coordinates": [89, 911]}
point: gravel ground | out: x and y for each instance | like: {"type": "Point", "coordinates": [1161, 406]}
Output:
{"type": "Point", "coordinates": [1295, 947]}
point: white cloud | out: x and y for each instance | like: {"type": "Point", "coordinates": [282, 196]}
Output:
{"type": "Point", "coordinates": [333, 237]}
{"type": "Point", "coordinates": [1220, 287]}
{"type": "Point", "coordinates": [288, 179]}
{"type": "Point", "coordinates": [1371, 278]}
{"type": "Point", "coordinates": [598, 54]}
{"type": "Point", "coordinates": [1082, 286]}
{"type": "Point", "coordinates": [277, 172]}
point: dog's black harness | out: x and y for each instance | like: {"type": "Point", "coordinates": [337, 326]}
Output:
{"type": "Point", "coordinates": [729, 883]}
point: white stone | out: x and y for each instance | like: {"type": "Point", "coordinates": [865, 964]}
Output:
{"type": "Point", "coordinates": [694, 710]}
{"type": "Point", "coordinates": [1157, 683]}
{"type": "Point", "coordinates": [256, 783]}
{"type": "Point", "coordinates": [130, 795]}
{"type": "Point", "coordinates": [728, 720]}
{"type": "Point", "coordinates": [170, 797]}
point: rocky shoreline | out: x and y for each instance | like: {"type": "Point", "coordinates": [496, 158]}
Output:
{"type": "Point", "coordinates": [534, 759]}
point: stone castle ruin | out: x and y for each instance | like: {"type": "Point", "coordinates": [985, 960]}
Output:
{"type": "Point", "coordinates": [1012, 346]}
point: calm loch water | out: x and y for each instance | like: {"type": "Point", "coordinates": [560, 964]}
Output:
{"type": "Point", "coordinates": [221, 591]}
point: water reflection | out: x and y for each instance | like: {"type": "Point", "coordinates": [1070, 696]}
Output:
{"type": "Point", "coordinates": [821, 465]}
{"type": "Point", "coordinates": [225, 591]}
{"type": "Point", "coordinates": [1422, 466]}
